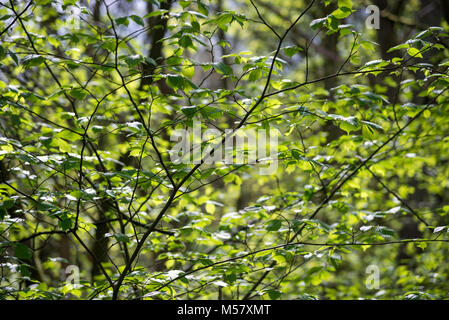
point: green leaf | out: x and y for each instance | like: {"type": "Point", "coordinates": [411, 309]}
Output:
{"type": "Point", "coordinates": [414, 52]}
{"type": "Point", "coordinates": [133, 60]}
{"type": "Point", "coordinates": [122, 21]}
{"type": "Point", "coordinates": [78, 93]}
{"type": "Point", "coordinates": [184, 4]}
{"type": "Point", "coordinates": [109, 44]}
{"type": "Point", "coordinates": [333, 23]}
{"type": "Point", "coordinates": [121, 237]}
{"type": "Point", "coordinates": [372, 125]}
{"type": "Point", "coordinates": [210, 207]}
{"type": "Point", "coordinates": [230, 277]}
{"type": "Point", "coordinates": [65, 224]}
{"type": "Point", "coordinates": [274, 294]}
{"type": "Point", "coordinates": [349, 124]}
{"type": "Point", "coordinates": [255, 75]}
{"type": "Point", "coordinates": [274, 225]}
{"type": "Point", "coordinates": [317, 23]}
{"type": "Point", "coordinates": [155, 13]}
{"type": "Point", "coordinates": [185, 41]}
{"type": "Point", "coordinates": [189, 110]}
{"type": "Point", "coordinates": [32, 61]}
{"type": "Point", "coordinates": [13, 57]}
{"type": "Point", "coordinates": [150, 61]}
{"type": "Point", "coordinates": [291, 50]}
{"type": "Point", "coordinates": [8, 203]}
{"type": "Point", "coordinates": [188, 71]}
{"type": "Point", "coordinates": [222, 68]}
{"type": "Point", "coordinates": [138, 20]}
{"type": "Point", "coordinates": [62, 145]}
{"type": "Point", "coordinates": [297, 154]}
{"type": "Point", "coordinates": [341, 13]}
{"type": "Point", "coordinates": [423, 34]}
{"type": "Point", "coordinates": [202, 8]}
{"type": "Point", "coordinates": [224, 20]}
{"type": "Point", "coordinates": [176, 82]}
{"type": "Point", "coordinates": [384, 231]}
{"type": "Point", "coordinates": [22, 252]}
{"type": "Point", "coordinates": [2, 53]}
